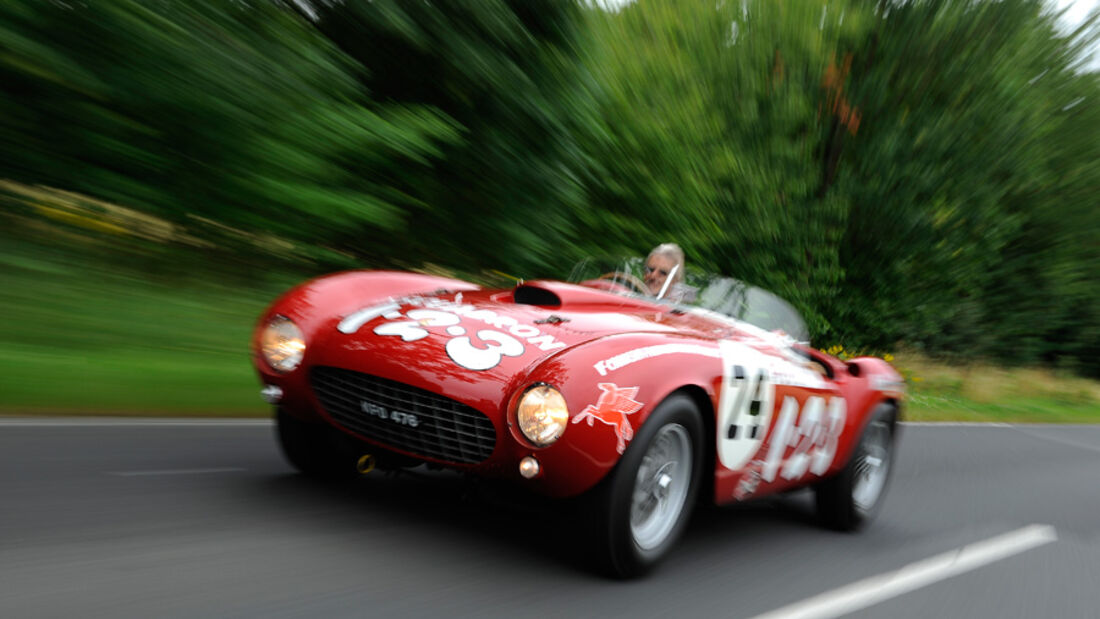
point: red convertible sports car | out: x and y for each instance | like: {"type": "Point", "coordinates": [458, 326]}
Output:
{"type": "Point", "coordinates": [595, 388]}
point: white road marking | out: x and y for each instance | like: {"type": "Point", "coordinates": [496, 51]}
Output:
{"type": "Point", "coordinates": [876, 589]}
{"type": "Point", "coordinates": [233, 469]}
{"type": "Point", "coordinates": [27, 422]}
{"type": "Point", "coordinates": [1058, 439]}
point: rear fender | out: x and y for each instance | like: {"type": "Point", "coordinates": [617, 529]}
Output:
{"type": "Point", "coordinates": [868, 383]}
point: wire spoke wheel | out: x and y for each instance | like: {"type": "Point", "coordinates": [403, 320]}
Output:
{"type": "Point", "coordinates": [661, 486]}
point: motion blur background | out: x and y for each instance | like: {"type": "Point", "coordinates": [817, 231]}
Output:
{"type": "Point", "coordinates": [915, 176]}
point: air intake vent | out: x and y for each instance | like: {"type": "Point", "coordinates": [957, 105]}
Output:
{"type": "Point", "coordinates": [397, 415]}
{"type": "Point", "coordinates": [533, 295]}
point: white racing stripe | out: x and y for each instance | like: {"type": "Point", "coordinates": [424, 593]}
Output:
{"type": "Point", "coordinates": [232, 469]}
{"type": "Point", "coordinates": [876, 589]}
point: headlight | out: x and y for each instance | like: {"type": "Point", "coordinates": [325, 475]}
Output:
{"type": "Point", "coordinates": [281, 344]}
{"type": "Point", "coordinates": [542, 415]}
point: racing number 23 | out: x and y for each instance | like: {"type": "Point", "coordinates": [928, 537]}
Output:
{"type": "Point", "coordinates": [486, 354]}
{"type": "Point", "coordinates": [463, 352]}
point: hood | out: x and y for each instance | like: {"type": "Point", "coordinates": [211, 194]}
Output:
{"type": "Point", "coordinates": [479, 346]}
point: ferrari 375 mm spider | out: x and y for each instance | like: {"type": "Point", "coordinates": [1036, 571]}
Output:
{"type": "Point", "coordinates": [643, 404]}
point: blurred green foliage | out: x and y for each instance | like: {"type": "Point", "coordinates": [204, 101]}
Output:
{"type": "Point", "coordinates": [906, 173]}
{"type": "Point", "coordinates": [87, 335]}
{"type": "Point", "coordinates": [918, 173]}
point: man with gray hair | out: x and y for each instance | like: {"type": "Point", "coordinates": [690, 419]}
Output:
{"type": "Point", "coordinates": [664, 268]}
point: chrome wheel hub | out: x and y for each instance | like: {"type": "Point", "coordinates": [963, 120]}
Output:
{"type": "Point", "coordinates": [872, 466]}
{"type": "Point", "coordinates": [661, 486]}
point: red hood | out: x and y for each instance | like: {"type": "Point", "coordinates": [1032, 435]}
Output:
{"type": "Point", "coordinates": [478, 346]}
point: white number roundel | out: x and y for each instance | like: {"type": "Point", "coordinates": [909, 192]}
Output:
{"type": "Point", "coordinates": [745, 404]}
{"type": "Point", "coordinates": [463, 352]}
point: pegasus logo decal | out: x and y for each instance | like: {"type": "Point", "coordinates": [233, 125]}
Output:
{"type": "Point", "coordinates": [612, 408]}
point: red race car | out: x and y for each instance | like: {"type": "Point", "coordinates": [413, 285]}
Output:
{"type": "Point", "coordinates": [640, 402]}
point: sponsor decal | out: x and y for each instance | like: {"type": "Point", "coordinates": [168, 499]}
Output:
{"type": "Point", "coordinates": [473, 349]}
{"type": "Point", "coordinates": [612, 408]}
{"type": "Point", "coordinates": [820, 420]}
{"type": "Point", "coordinates": [354, 320]}
{"type": "Point", "coordinates": [885, 383]}
{"type": "Point", "coordinates": [639, 354]}
{"type": "Point", "coordinates": [749, 482]}
{"type": "Point", "coordinates": [795, 375]}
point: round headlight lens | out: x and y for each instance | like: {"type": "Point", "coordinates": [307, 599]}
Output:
{"type": "Point", "coordinates": [282, 345]}
{"type": "Point", "coordinates": [542, 415]}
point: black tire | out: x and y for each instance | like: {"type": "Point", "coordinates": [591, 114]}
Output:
{"type": "Point", "coordinates": [626, 548]}
{"type": "Point", "coordinates": [853, 497]}
{"type": "Point", "coordinates": [315, 449]}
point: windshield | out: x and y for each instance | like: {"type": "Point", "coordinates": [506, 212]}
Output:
{"type": "Point", "coordinates": [713, 293]}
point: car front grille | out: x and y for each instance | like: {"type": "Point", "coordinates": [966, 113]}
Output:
{"type": "Point", "coordinates": [408, 418]}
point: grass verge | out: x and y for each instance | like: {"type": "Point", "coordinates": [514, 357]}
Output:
{"type": "Point", "coordinates": [82, 339]}
{"type": "Point", "coordinates": [986, 393]}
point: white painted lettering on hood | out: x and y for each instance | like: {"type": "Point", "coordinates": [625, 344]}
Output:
{"type": "Point", "coordinates": [390, 309]}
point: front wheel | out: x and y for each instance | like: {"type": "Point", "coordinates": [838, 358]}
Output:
{"type": "Point", "coordinates": [314, 449]}
{"type": "Point", "coordinates": [853, 497]}
{"type": "Point", "coordinates": [646, 501]}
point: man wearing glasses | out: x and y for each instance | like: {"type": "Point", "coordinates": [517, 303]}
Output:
{"type": "Point", "coordinates": [664, 269]}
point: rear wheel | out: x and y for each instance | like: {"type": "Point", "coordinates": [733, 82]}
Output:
{"type": "Point", "coordinates": [315, 449]}
{"type": "Point", "coordinates": [853, 497]}
{"type": "Point", "coordinates": [646, 501]}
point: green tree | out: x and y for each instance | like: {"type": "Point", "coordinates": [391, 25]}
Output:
{"type": "Point", "coordinates": [213, 115]}
{"type": "Point", "coordinates": [716, 123]}
{"type": "Point", "coordinates": [506, 72]}
{"type": "Point", "coordinates": [953, 172]}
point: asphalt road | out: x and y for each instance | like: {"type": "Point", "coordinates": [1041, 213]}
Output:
{"type": "Point", "coordinates": [194, 520]}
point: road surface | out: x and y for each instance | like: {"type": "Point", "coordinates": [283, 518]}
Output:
{"type": "Point", "coordinates": [117, 518]}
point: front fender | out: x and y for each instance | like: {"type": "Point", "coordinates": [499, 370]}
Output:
{"type": "Point", "coordinates": [318, 305]}
{"type": "Point", "coordinates": [611, 386]}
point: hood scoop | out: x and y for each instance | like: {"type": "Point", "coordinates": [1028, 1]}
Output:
{"type": "Point", "coordinates": [554, 295]}
{"type": "Point", "coordinates": [533, 294]}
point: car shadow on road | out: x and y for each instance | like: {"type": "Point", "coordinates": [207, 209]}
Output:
{"type": "Point", "coordinates": [447, 510]}
{"type": "Point", "coordinates": [453, 515]}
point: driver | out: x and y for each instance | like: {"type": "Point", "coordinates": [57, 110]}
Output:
{"type": "Point", "coordinates": [664, 269]}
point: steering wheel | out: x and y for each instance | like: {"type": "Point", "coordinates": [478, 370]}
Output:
{"type": "Point", "coordinates": [621, 277]}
